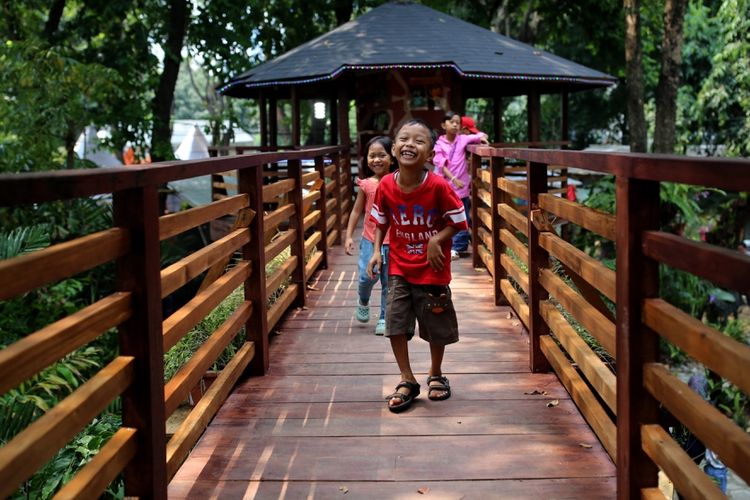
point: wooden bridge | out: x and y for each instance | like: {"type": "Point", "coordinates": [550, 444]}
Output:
{"type": "Point", "coordinates": [535, 411]}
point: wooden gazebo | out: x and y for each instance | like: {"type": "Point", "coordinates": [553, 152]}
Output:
{"type": "Point", "coordinates": [395, 62]}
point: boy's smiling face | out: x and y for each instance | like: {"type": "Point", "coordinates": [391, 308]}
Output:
{"type": "Point", "coordinates": [413, 146]}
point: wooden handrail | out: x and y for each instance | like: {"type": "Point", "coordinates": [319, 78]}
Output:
{"type": "Point", "coordinates": [138, 450]}
{"type": "Point", "coordinates": [641, 315]}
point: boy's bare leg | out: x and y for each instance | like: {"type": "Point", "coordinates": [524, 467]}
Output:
{"type": "Point", "coordinates": [400, 347]}
{"type": "Point", "coordinates": [436, 365]}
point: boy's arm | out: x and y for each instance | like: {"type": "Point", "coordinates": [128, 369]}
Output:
{"type": "Point", "coordinates": [373, 267]}
{"type": "Point", "coordinates": [435, 255]}
{"type": "Point", "coordinates": [359, 205]}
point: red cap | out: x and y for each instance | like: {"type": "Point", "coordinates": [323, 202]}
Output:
{"type": "Point", "coordinates": [468, 122]}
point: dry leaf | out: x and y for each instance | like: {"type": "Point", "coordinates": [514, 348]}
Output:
{"type": "Point", "coordinates": [584, 445]}
{"type": "Point", "coordinates": [509, 316]}
{"type": "Point", "coordinates": [459, 421]}
{"type": "Point", "coordinates": [537, 391]}
{"type": "Point", "coordinates": [423, 490]}
{"type": "Point", "coordinates": [305, 308]}
{"type": "Point", "coordinates": [552, 403]}
{"type": "Point", "coordinates": [311, 287]}
{"type": "Point", "coordinates": [343, 489]}
{"type": "Point", "coordinates": [515, 323]}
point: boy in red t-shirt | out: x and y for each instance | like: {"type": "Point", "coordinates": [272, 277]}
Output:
{"type": "Point", "coordinates": [422, 212]}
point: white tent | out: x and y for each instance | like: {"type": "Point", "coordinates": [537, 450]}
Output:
{"type": "Point", "coordinates": [193, 146]}
{"type": "Point", "coordinates": [88, 148]}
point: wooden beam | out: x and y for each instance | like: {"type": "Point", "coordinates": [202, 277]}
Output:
{"type": "Point", "coordinates": [533, 113]}
{"type": "Point", "coordinates": [295, 117]}
{"type": "Point", "coordinates": [138, 272]}
{"type": "Point", "coordinates": [263, 112]}
{"type": "Point", "coordinates": [637, 279]}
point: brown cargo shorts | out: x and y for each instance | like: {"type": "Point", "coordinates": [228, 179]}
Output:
{"type": "Point", "coordinates": [430, 305]}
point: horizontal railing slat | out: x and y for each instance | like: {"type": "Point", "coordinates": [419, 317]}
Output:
{"type": "Point", "coordinates": [585, 399]}
{"type": "Point", "coordinates": [717, 351]}
{"type": "Point", "coordinates": [196, 422]}
{"type": "Point", "coordinates": [598, 375]}
{"type": "Point", "coordinates": [271, 191]}
{"type": "Point", "coordinates": [283, 272]}
{"type": "Point", "coordinates": [187, 269]}
{"type": "Point", "coordinates": [28, 356]}
{"type": "Point", "coordinates": [510, 241]}
{"type": "Point", "coordinates": [282, 240]}
{"type": "Point", "coordinates": [281, 305]}
{"type": "Point", "coordinates": [178, 387]}
{"type": "Point", "coordinates": [592, 320]}
{"type": "Point", "coordinates": [689, 480]}
{"type": "Point", "coordinates": [17, 189]}
{"type": "Point", "coordinates": [518, 304]}
{"type": "Point", "coordinates": [27, 272]}
{"type": "Point", "coordinates": [39, 442]}
{"type": "Point", "coordinates": [515, 272]}
{"type": "Point", "coordinates": [174, 224]}
{"type": "Point", "coordinates": [113, 457]}
{"type": "Point", "coordinates": [594, 220]}
{"type": "Point", "coordinates": [597, 274]}
{"type": "Point", "coordinates": [709, 425]}
{"type": "Point", "coordinates": [205, 301]}
{"type": "Point", "coordinates": [701, 259]}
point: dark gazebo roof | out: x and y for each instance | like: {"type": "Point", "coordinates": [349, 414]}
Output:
{"type": "Point", "coordinates": [408, 35]}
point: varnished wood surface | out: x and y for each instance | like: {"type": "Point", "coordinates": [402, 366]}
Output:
{"type": "Point", "coordinates": [317, 426]}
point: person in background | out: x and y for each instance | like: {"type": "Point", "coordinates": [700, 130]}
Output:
{"type": "Point", "coordinates": [380, 160]}
{"type": "Point", "coordinates": [450, 162]}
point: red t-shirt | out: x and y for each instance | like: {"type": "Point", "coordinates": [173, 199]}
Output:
{"type": "Point", "coordinates": [413, 218]}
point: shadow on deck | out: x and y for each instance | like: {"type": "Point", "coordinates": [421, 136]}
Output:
{"type": "Point", "coordinates": [317, 426]}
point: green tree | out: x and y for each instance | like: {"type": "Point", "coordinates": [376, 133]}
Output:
{"type": "Point", "coordinates": [724, 99]}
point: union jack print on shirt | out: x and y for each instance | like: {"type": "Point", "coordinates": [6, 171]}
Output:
{"type": "Point", "coordinates": [415, 248]}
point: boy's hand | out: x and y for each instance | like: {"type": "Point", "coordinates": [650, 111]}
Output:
{"type": "Point", "coordinates": [349, 246]}
{"type": "Point", "coordinates": [435, 255]}
{"type": "Point", "coordinates": [373, 267]}
{"type": "Point", "coordinates": [484, 139]}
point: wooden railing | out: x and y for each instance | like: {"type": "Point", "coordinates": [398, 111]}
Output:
{"type": "Point", "coordinates": [302, 211]}
{"type": "Point", "coordinates": [517, 247]}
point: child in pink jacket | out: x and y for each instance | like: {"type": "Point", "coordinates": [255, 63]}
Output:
{"type": "Point", "coordinates": [450, 162]}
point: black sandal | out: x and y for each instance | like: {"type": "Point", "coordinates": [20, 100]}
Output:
{"type": "Point", "coordinates": [406, 399]}
{"type": "Point", "coordinates": [443, 386]}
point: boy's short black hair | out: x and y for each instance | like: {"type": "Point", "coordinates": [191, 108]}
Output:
{"type": "Point", "coordinates": [420, 122]}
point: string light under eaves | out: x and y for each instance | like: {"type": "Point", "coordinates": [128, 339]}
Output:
{"type": "Point", "coordinates": [370, 67]}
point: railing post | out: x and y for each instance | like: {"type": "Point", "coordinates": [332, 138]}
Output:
{"type": "Point", "coordinates": [637, 279]}
{"type": "Point", "coordinates": [538, 259]}
{"type": "Point", "coordinates": [337, 157]}
{"type": "Point", "coordinates": [250, 181]}
{"type": "Point", "coordinates": [475, 175]}
{"type": "Point", "coordinates": [322, 224]}
{"type": "Point", "coordinates": [297, 224]}
{"type": "Point", "coordinates": [139, 272]}
{"type": "Point", "coordinates": [497, 170]}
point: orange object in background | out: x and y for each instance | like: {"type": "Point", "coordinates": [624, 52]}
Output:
{"type": "Point", "coordinates": [128, 158]}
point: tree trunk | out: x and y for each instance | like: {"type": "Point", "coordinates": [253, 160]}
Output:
{"type": "Point", "coordinates": [669, 76]}
{"type": "Point", "coordinates": [53, 20]}
{"type": "Point", "coordinates": [161, 145]}
{"type": "Point", "coordinates": [634, 75]}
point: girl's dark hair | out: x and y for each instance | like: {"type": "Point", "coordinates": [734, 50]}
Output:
{"type": "Point", "coordinates": [387, 144]}
{"type": "Point", "coordinates": [421, 123]}
{"type": "Point", "coordinates": [448, 115]}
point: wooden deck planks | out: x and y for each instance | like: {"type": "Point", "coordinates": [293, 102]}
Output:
{"type": "Point", "coordinates": [317, 425]}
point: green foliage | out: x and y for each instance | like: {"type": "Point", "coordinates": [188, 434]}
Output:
{"type": "Point", "coordinates": [76, 454]}
{"type": "Point", "coordinates": [725, 95]}
{"type": "Point", "coordinates": [48, 99]}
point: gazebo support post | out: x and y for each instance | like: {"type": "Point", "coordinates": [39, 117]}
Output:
{"type": "Point", "coordinates": [343, 117]}
{"type": "Point", "coordinates": [333, 114]}
{"type": "Point", "coordinates": [497, 118]}
{"type": "Point", "coordinates": [564, 127]}
{"type": "Point", "coordinates": [263, 113]}
{"type": "Point", "coordinates": [295, 117]}
{"type": "Point", "coordinates": [273, 122]}
{"type": "Point", "coordinates": [533, 108]}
